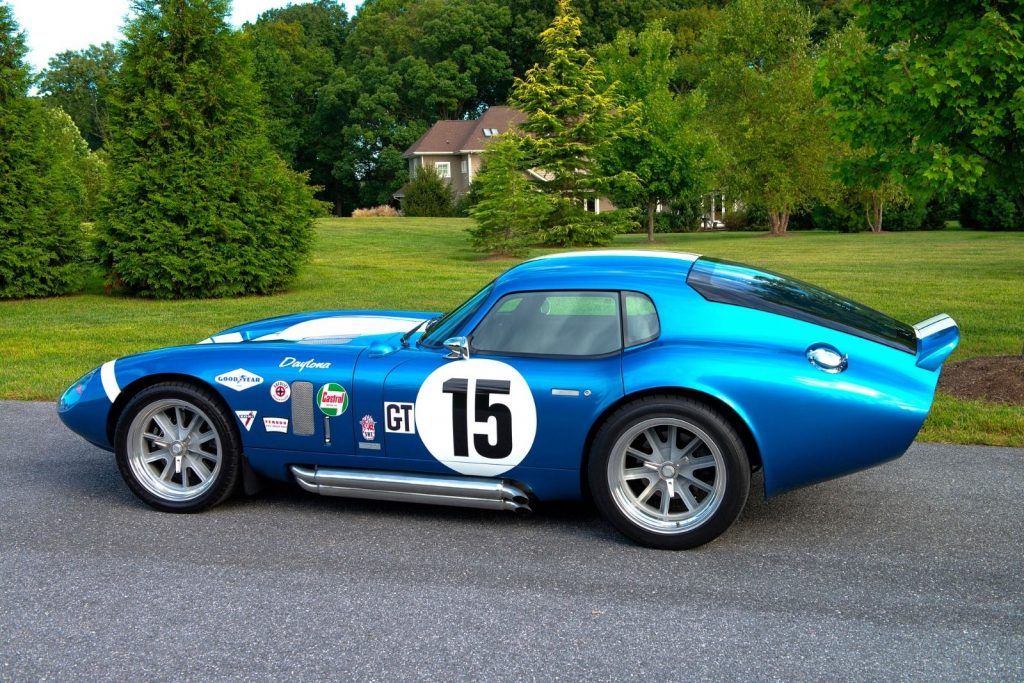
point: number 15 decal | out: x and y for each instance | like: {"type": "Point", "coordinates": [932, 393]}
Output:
{"type": "Point", "coordinates": [476, 416]}
{"type": "Point", "coordinates": [501, 413]}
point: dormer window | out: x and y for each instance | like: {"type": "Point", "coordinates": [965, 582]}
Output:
{"type": "Point", "coordinates": [490, 132]}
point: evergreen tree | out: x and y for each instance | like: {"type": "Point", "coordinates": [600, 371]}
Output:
{"type": "Point", "coordinates": [41, 192]}
{"type": "Point", "coordinates": [572, 116]}
{"type": "Point", "coordinates": [428, 195]}
{"type": "Point", "coordinates": [198, 203]}
{"type": "Point", "coordinates": [509, 212]}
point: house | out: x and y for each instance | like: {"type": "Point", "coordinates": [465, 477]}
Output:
{"type": "Point", "coordinates": [454, 149]}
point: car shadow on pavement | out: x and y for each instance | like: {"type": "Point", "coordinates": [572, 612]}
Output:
{"type": "Point", "coordinates": [95, 477]}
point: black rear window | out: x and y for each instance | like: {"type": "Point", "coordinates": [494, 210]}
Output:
{"type": "Point", "coordinates": [733, 283]}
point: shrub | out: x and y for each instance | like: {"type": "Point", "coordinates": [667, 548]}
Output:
{"type": "Point", "coordinates": [571, 226]}
{"type": "Point", "coordinates": [672, 220]}
{"type": "Point", "coordinates": [428, 195]}
{"type": "Point", "coordinates": [41, 190]}
{"type": "Point", "coordinates": [198, 204]}
{"type": "Point", "coordinates": [466, 202]}
{"type": "Point", "coordinates": [750, 217]}
{"type": "Point", "coordinates": [938, 211]}
{"type": "Point", "coordinates": [906, 215]}
{"type": "Point", "coordinates": [382, 211]}
{"type": "Point", "coordinates": [989, 209]}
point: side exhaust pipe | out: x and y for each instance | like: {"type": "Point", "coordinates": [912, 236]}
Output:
{"type": "Point", "coordinates": [431, 489]}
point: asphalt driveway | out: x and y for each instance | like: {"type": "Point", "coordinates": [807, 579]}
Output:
{"type": "Point", "coordinates": [912, 570]}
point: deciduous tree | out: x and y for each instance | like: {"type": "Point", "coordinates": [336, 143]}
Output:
{"type": "Point", "coordinates": [295, 50]}
{"type": "Point", "coordinates": [79, 81]}
{"type": "Point", "coordinates": [669, 150]}
{"type": "Point", "coordinates": [776, 141]}
{"type": "Point", "coordinates": [939, 86]}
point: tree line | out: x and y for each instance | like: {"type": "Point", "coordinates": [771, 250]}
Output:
{"type": "Point", "coordinates": [203, 152]}
{"type": "Point", "coordinates": [893, 113]}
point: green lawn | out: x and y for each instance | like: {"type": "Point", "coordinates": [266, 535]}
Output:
{"type": "Point", "coordinates": [976, 277]}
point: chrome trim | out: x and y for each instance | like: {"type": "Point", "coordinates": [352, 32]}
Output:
{"type": "Point", "coordinates": [565, 392]}
{"type": "Point", "coordinates": [472, 492]}
{"type": "Point", "coordinates": [827, 358]}
{"type": "Point", "coordinates": [458, 347]}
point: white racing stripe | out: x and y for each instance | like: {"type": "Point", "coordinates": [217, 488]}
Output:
{"type": "Point", "coordinates": [230, 338]}
{"type": "Point", "coordinates": [647, 253]}
{"type": "Point", "coordinates": [342, 326]}
{"type": "Point", "coordinates": [109, 380]}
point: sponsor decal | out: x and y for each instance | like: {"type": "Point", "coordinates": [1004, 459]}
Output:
{"type": "Point", "coordinates": [369, 428]}
{"type": "Point", "coordinates": [276, 424]}
{"type": "Point", "coordinates": [312, 364]}
{"type": "Point", "coordinates": [477, 416]}
{"type": "Point", "coordinates": [399, 418]}
{"type": "Point", "coordinates": [280, 391]}
{"type": "Point", "coordinates": [332, 399]}
{"type": "Point", "coordinates": [246, 417]}
{"type": "Point", "coordinates": [239, 380]}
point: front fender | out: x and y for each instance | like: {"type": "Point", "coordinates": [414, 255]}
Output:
{"type": "Point", "coordinates": [241, 375]}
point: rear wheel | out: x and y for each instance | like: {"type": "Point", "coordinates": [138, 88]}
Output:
{"type": "Point", "coordinates": [669, 472]}
{"type": "Point", "coordinates": [176, 449]}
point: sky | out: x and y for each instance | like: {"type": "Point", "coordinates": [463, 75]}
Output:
{"type": "Point", "coordinates": [52, 26]}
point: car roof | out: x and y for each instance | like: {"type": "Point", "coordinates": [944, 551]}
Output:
{"type": "Point", "coordinates": [634, 265]}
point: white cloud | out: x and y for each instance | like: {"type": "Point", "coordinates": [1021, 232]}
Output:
{"type": "Point", "coordinates": [53, 26]}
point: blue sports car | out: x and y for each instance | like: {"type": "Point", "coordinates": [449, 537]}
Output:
{"type": "Point", "coordinates": [652, 382]}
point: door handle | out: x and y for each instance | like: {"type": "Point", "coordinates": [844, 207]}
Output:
{"type": "Point", "coordinates": [827, 358]}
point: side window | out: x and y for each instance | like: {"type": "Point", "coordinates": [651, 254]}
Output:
{"type": "Point", "coordinates": [642, 323]}
{"type": "Point", "coordinates": [572, 323]}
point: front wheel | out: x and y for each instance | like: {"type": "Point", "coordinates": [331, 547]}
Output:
{"type": "Point", "coordinates": [176, 448]}
{"type": "Point", "coordinates": [669, 472]}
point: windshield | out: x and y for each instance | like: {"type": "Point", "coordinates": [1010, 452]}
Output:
{"type": "Point", "coordinates": [450, 323]}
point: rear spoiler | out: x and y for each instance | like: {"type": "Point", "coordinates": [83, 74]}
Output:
{"type": "Point", "coordinates": [936, 339]}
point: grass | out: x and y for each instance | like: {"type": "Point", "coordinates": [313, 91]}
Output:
{"type": "Point", "coordinates": [976, 277]}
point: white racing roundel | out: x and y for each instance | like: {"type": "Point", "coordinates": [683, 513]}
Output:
{"type": "Point", "coordinates": [476, 416]}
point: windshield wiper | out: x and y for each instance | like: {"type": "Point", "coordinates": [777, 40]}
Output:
{"type": "Point", "coordinates": [405, 337]}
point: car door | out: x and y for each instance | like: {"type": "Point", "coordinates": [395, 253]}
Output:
{"type": "Point", "coordinates": [542, 367]}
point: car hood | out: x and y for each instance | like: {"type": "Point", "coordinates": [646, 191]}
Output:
{"type": "Point", "coordinates": [323, 327]}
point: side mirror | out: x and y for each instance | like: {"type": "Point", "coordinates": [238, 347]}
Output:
{"type": "Point", "coordinates": [458, 347]}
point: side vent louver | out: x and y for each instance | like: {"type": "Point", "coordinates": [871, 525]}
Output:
{"type": "Point", "coordinates": [302, 408]}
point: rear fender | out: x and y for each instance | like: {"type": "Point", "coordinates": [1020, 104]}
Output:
{"type": "Point", "coordinates": [808, 425]}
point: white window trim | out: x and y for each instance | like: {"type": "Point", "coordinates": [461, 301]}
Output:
{"type": "Point", "coordinates": [465, 166]}
{"type": "Point", "coordinates": [446, 166]}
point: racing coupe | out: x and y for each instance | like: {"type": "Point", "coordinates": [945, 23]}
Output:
{"type": "Point", "coordinates": [653, 383]}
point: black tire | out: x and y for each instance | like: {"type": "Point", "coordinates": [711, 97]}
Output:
{"type": "Point", "coordinates": [730, 499]}
{"type": "Point", "coordinates": [225, 477]}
